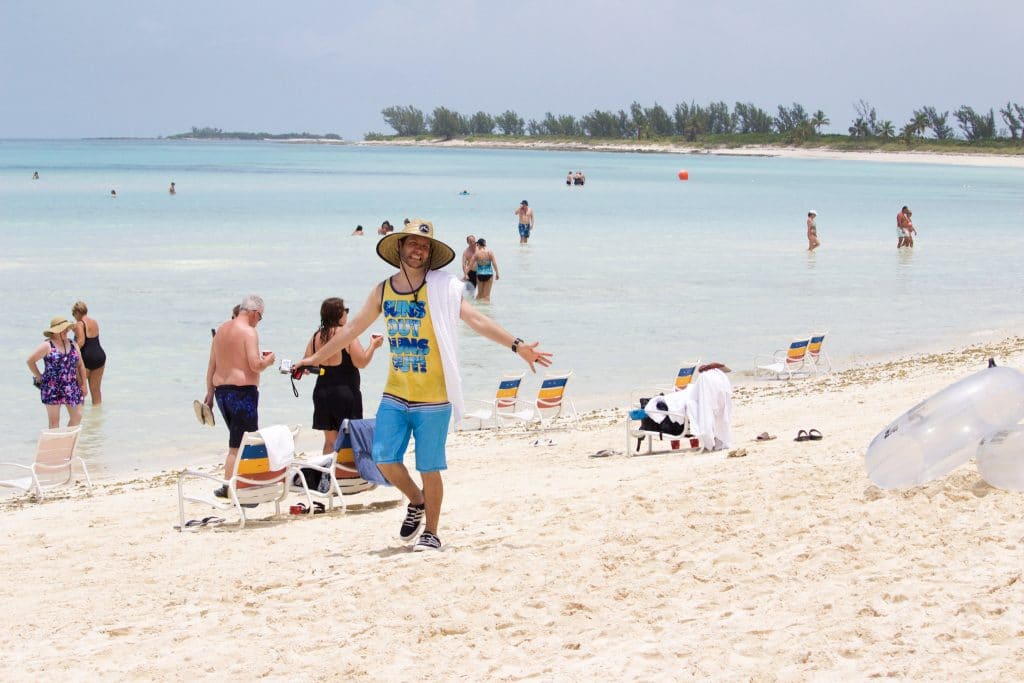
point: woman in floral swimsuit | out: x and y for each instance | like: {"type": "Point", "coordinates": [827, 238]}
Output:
{"type": "Point", "coordinates": [62, 381]}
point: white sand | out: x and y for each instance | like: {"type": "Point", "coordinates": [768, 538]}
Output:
{"type": "Point", "coordinates": [784, 564]}
{"type": "Point", "coordinates": [910, 156]}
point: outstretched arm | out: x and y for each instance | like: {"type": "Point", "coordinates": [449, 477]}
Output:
{"type": "Point", "coordinates": [486, 327]}
{"type": "Point", "coordinates": [355, 327]}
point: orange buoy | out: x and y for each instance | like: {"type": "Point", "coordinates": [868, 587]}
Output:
{"type": "Point", "coordinates": [684, 175]}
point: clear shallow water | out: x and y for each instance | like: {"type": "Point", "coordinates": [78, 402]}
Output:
{"type": "Point", "coordinates": [622, 279]}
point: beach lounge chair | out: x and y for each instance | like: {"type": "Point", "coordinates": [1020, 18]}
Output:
{"type": "Point", "coordinates": [344, 476]}
{"type": "Point", "coordinates": [673, 432]}
{"type": "Point", "coordinates": [251, 483]}
{"type": "Point", "coordinates": [819, 360]}
{"type": "Point", "coordinates": [687, 374]}
{"type": "Point", "coordinates": [552, 404]}
{"type": "Point", "coordinates": [54, 464]}
{"type": "Point", "coordinates": [503, 405]}
{"type": "Point", "coordinates": [784, 363]}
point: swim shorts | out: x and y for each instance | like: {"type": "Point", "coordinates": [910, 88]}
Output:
{"type": "Point", "coordinates": [239, 408]}
{"type": "Point", "coordinates": [397, 420]}
{"type": "Point", "coordinates": [524, 230]}
{"type": "Point", "coordinates": [471, 277]}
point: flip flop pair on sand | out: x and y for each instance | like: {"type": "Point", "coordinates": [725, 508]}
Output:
{"type": "Point", "coordinates": [808, 435]}
{"type": "Point", "coordinates": [196, 523]}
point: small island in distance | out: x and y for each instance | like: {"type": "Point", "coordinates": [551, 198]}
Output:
{"type": "Point", "coordinates": [208, 133]}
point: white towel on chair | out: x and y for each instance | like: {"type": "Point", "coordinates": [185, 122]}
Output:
{"type": "Point", "coordinates": [280, 446]}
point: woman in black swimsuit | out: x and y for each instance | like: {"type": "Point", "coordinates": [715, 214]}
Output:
{"type": "Point", "coordinates": [336, 395]}
{"type": "Point", "coordinates": [87, 335]}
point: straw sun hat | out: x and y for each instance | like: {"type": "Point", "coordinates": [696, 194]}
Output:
{"type": "Point", "coordinates": [440, 253]}
{"type": "Point", "coordinates": [57, 325]}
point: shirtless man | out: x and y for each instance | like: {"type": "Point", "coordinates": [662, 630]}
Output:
{"type": "Point", "coordinates": [469, 261]}
{"type": "Point", "coordinates": [233, 375]}
{"type": "Point", "coordinates": [901, 228]}
{"type": "Point", "coordinates": [525, 214]}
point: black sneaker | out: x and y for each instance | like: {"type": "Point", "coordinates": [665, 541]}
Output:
{"type": "Point", "coordinates": [222, 492]}
{"type": "Point", "coordinates": [428, 541]}
{"type": "Point", "coordinates": [413, 520]}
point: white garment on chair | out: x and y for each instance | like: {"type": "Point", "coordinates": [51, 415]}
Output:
{"type": "Point", "coordinates": [280, 446]}
{"type": "Point", "coordinates": [713, 423]}
{"type": "Point", "coordinates": [706, 403]}
{"type": "Point", "coordinates": [682, 402]}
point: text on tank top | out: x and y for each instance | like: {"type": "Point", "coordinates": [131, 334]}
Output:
{"type": "Point", "coordinates": [415, 373]}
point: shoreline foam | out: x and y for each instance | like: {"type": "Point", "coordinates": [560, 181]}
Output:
{"type": "Point", "coordinates": [953, 159]}
{"type": "Point", "coordinates": [557, 564]}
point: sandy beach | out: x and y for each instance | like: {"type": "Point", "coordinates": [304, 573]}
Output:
{"type": "Point", "coordinates": [785, 563]}
{"type": "Point", "coordinates": [910, 156]}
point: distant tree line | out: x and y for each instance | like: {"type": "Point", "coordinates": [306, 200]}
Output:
{"type": "Point", "coordinates": [692, 121]}
{"type": "Point", "coordinates": [207, 133]}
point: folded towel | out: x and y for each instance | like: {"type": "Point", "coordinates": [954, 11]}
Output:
{"type": "Point", "coordinates": [280, 446]}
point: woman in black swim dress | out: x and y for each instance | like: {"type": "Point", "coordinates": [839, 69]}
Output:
{"type": "Point", "coordinates": [87, 335]}
{"type": "Point", "coordinates": [336, 395]}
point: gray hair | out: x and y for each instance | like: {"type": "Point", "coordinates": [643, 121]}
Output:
{"type": "Point", "coordinates": [252, 302]}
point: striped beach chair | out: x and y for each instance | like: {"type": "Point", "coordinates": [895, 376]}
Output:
{"type": "Point", "coordinates": [552, 403]}
{"type": "Point", "coordinates": [785, 363]}
{"type": "Point", "coordinates": [503, 405]}
{"type": "Point", "coordinates": [339, 467]}
{"type": "Point", "coordinates": [251, 483]}
{"type": "Point", "coordinates": [819, 359]}
{"type": "Point", "coordinates": [686, 375]}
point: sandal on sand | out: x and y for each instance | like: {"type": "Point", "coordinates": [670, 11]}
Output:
{"type": "Point", "coordinates": [738, 453]}
{"type": "Point", "coordinates": [192, 523]}
{"type": "Point", "coordinates": [814, 435]}
{"type": "Point", "coordinates": [604, 453]}
{"type": "Point", "coordinates": [764, 436]}
{"type": "Point", "coordinates": [801, 436]}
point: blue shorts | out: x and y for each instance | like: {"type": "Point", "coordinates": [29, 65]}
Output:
{"type": "Point", "coordinates": [524, 230]}
{"type": "Point", "coordinates": [239, 406]}
{"type": "Point", "coordinates": [396, 421]}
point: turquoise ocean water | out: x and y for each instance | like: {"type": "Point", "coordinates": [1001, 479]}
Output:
{"type": "Point", "coordinates": [623, 278]}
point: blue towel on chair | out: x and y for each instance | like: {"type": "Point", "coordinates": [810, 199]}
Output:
{"type": "Point", "coordinates": [360, 433]}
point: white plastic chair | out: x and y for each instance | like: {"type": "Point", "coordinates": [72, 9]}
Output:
{"type": "Point", "coordinates": [552, 404]}
{"type": "Point", "coordinates": [504, 404]}
{"type": "Point", "coordinates": [785, 363]}
{"type": "Point", "coordinates": [54, 463]}
{"type": "Point", "coordinates": [251, 483]}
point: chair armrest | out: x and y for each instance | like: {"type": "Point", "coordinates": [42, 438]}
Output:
{"type": "Point", "coordinates": [201, 475]}
{"type": "Point", "coordinates": [17, 465]}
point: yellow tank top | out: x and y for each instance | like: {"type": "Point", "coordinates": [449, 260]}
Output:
{"type": "Point", "coordinates": [416, 374]}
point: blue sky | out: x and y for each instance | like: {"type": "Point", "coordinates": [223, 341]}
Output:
{"type": "Point", "coordinates": [134, 68]}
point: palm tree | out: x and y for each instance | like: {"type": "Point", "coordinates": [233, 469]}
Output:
{"type": "Point", "coordinates": [886, 130]}
{"type": "Point", "coordinates": [818, 120]}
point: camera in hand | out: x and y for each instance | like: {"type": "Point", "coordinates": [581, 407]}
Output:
{"type": "Point", "coordinates": [296, 371]}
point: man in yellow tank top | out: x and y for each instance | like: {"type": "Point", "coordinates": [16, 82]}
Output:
{"type": "Point", "coordinates": [422, 306]}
